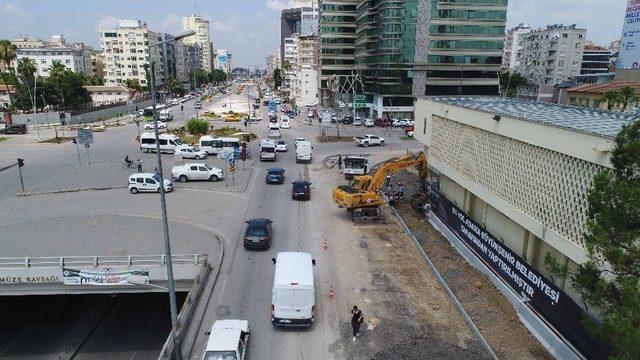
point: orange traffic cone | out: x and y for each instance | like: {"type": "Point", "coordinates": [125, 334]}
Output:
{"type": "Point", "coordinates": [324, 244]}
{"type": "Point", "coordinates": [331, 293]}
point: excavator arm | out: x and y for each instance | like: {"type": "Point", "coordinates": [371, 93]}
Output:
{"type": "Point", "coordinates": [412, 160]}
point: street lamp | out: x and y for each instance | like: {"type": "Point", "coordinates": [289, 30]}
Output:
{"type": "Point", "coordinates": [163, 204]}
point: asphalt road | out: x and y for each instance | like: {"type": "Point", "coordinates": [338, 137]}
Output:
{"type": "Point", "coordinates": [243, 289]}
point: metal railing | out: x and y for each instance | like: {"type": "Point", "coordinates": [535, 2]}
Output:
{"type": "Point", "coordinates": [97, 261]}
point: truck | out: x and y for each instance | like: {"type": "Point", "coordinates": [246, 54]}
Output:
{"type": "Point", "coordinates": [368, 139]}
{"type": "Point", "coordinates": [355, 165]}
{"type": "Point", "coordinates": [303, 151]}
{"type": "Point", "coordinates": [196, 171]}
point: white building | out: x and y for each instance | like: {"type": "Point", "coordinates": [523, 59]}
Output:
{"type": "Point", "coordinates": [305, 81]}
{"type": "Point", "coordinates": [75, 57]}
{"type": "Point", "coordinates": [511, 45]}
{"type": "Point", "coordinates": [109, 94]}
{"type": "Point", "coordinates": [290, 64]}
{"type": "Point", "coordinates": [126, 53]}
{"type": "Point", "coordinates": [273, 62]}
{"type": "Point", "coordinates": [223, 60]}
{"type": "Point", "coordinates": [202, 38]}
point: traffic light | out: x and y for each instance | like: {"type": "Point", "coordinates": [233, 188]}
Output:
{"type": "Point", "coordinates": [181, 107]}
{"type": "Point", "coordinates": [244, 151]}
{"type": "Point", "coordinates": [20, 162]}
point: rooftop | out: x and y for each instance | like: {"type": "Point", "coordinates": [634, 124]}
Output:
{"type": "Point", "coordinates": [601, 88]}
{"type": "Point", "coordinates": [581, 119]}
{"type": "Point", "coordinates": [96, 88]}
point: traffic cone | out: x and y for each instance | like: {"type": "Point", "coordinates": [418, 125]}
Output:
{"type": "Point", "coordinates": [324, 244]}
{"type": "Point", "coordinates": [331, 293]}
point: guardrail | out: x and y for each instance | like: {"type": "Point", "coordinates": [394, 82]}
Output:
{"type": "Point", "coordinates": [96, 261]}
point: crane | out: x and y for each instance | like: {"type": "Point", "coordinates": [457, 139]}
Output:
{"type": "Point", "coordinates": [362, 197]}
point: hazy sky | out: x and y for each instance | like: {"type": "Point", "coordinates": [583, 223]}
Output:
{"type": "Point", "coordinates": [250, 28]}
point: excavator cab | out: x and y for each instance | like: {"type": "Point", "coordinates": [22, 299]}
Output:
{"type": "Point", "coordinates": [362, 182]}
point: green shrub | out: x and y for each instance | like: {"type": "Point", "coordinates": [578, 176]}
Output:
{"type": "Point", "coordinates": [197, 126]}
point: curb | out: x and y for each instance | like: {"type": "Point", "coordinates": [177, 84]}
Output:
{"type": "Point", "coordinates": [450, 294]}
{"type": "Point", "coordinates": [62, 191]}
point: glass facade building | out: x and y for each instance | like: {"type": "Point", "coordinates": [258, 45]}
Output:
{"type": "Point", "coordinates": [459, 47]}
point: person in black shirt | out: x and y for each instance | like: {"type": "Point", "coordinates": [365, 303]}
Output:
{"type": "Point", "coordinates": [356, 320]}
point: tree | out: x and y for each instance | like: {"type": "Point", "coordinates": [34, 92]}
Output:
{"type": "Point", "coordinates": [510, 81]}
{"type": "Point", "coordinates": [133, 84]}
{"type": "Point", "coordinates": [94, 80]}
{"type": "Point", "coordinates": [612, 97]}
{"type": "Point", "coordinates": [610, 279]}
{"type": "Point", "coordinates": [627, 95]}
{"type": "Point", "coordinates": [197, 126]}
{"type": "Point", "coordinates": [286, 65]}
{"type": "Point", "coordinates": [26, 69]}
{"type": "Point", "coordinates": [7, 55]}
{"type": "Point", "coordinates": [68, 88]}
{"type": "Point", "coordinates": [277, 78]}
{"type": "Point", "coordinates": [174, 86]}
{"type": "Point", "coordinates": [199, 77]}
{"type": "Point", "coordinates": [218, 76]}
{"type": "Point", "coordinates": [56, 76]}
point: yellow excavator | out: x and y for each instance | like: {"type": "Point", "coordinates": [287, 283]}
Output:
{"type": "Point", "coordinates": [363, 198]}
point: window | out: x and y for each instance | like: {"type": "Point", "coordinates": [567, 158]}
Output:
{"type": "Point", "coordinates": [193, 167]}
{"type": "Point", "coordinates": [572, 100]}
{"type": "Point", "coordinates": [560, 63]}
{"type": "Point", "coordinates": [565, 35]}
{"type": "Point", "coordinates": [151, 181]}
{"type": "Point", "coordinates": [578, 45]}
{"type": "Point", "coordinates": [596, 103]}
{"type": "Point", "coordinates": [140, 180]}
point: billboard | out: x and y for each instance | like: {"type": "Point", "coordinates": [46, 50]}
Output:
{"type": "Point", "coordinates": [630, 46]}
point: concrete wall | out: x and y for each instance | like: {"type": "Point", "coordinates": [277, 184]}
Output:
{"type": "Point", "coordinates": [53, 118]}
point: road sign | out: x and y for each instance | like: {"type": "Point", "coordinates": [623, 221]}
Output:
{"type": "Point", "coordinates": [232, 167]}
{"type": "Point", "coordinates": [360, 98]}
{"type": "Point", "coordinates": [226, 154]}
{"type": "Point", "coordinates": [85, 136]}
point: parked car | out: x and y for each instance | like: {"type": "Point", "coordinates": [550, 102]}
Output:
{"type": "Point", "coordinates": [228, 339]}
{"type": "Point", "coordinates": [284, 123]}
{"type": "Point", "coordinates": [190, 152]}
{"type": "Point", "coordinates": [310, 114]}
{"type": "Point", "coordinates": [301, 190]}
{"type": "Point", "coordinates": [98, 128]}
{"type": "Point", "coordinates": [298, 140]}
{"type": "Point", "coordinates": [149, 125]}
{"type": "Point", "coordinates": [381, 122]}
{"type": "Point", "coordinates": [401, 122]}
{"type": "Point", "coordinates": [348, 119]}
{"type": "Point", "coordinates": [357, 121]}
{"type": "Point", "coordinates": [147, 182]}
{"type": "Point", "coordinates": [368, 139]}
{"type": "Point", "coordinates": [14, 129]}
{"type": "Point", "coordinates": [281, 146]}
{"type": "Point", "coordinates": [258, 233]}
{"type": "Point", "coordinates": [196, 171]}
{"type": "Point", "coordinates": [368, 122]}
{"type": "Point", "coordinates": [275, 176]}
{"type": "Point", "coordinates": [197, 104]}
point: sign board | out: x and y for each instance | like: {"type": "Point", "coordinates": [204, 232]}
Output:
{"type": "Point", "coordinates": [85, 136]}
{"type": "Point", "coordinates": [630, 45]}
{"type": "Point", "coordinates": [225, 154]}
{"type": "Point", "coordinates": [553, 304]}
{"type": "Point", "coordinates": [360, 99]}
{"type": "Point", "coordinates": [13, 276]}
{"type": "Point", "coordinates": [101, 277]}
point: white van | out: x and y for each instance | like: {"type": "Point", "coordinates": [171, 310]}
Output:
{"type": "Point", "coordinates": [267, 150]}
{"type": "Point", "coordinates": [214, 145]}
{"type": "Point", "coordinates": [168, 142]}
{"type": "Point", "coordinates": [303, 151]}
{"type": "Point", "coordinates": [293, 297]}
{"type": "Point", "coordinates": [274, 131]}
{"type": "Point", "coordinates": [165, 115]}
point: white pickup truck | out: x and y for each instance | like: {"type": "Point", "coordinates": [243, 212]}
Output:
{"type": "Point", "coordinates": [196, 171]}
{"type": "Point", "coordinates": [368, 139]}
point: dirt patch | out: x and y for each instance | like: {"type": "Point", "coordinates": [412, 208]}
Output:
{"type": "Point", "coordinates": [407, 314]}
{"type": "Point", "coordinates": [333, 138]}
{"type": "Point", "coordinates": [57, 140]}
{"type": "Point", "coordinates": [492, 313]}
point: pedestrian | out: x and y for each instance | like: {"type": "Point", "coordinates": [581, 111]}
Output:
{"type": "Point", "coordinates": [339, 161]}
{"type": "Point", "coordinates": [400, 190]}
{"type": "Point", "coordinates": [139, 166]}
{"type": "Point", "coordinates": [155, 170]}
{"type": "Point", "coordinates": [356, 320]}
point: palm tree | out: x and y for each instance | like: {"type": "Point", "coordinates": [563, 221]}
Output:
{"type": "Point", "coordinates": [7, 55]}
{"type": "Point", "coordinates": [627, 95]}
{"type": "Point", "coordinates": [612, 97]}
{"type": "Point", "coordinates": [56, 74]}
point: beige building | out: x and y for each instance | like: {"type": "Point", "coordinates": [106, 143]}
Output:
{"type": "Point", "coordinates": [521, 169]}
{"type": "Point", "coordinates": [590, 95]}
{"type": "Point", "coordinates": [109, 94]}
{"type": "Point", "coordinates": [202, 38]}
{"type": "Point", "coordinates": [304, 87]}
{"type": "Point", "coordinates": [75, 57]}
{"type": "Point", "coordinates": [126, 52]}
{"type": "Point", "coordinates": [551, 55]}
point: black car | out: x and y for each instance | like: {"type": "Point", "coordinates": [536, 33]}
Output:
{"type": "Point", "coordinates": [14, 129]}
{"type": "Point", "coordinates": [347, 119]}
{"type": "Point", "coordinates": [275, 176]}
{"type": "Point", "coordinates": [257, 235]}
{"type": "Point", "coordinates": [301, 190]}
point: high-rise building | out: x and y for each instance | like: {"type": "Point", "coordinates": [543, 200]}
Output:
{"type": "Point", "coordinates": [289, 64]}
{"type": "Point", "coordinates": [551, 55]}
{"type": "Point", "coordinates": [336, 42]}
{"type": "Point", "coordinates": [459, 47]}
{"type": "Point", "coordinates": [298, 20]}
{"type": "Point", "coordinates": [384, 55]}
{"type": "Point", "coordinates": [202, 38]}
{"type": "Point", "coordinates": [126, 53]}
{"type": "Point", "coordinates": [305, 83]}
{"type": "Point", "coordinates": [75, 57]}
{"type": "Point", "coordinates": [511, 46]}
{"type": "Point", "coordinates": [273, 61]}
{"type": "Point", "coordinates": [188, 58]}
{"type": "Point", "coordinates": [223, 60]}
{"type": "Point", "coordinates": [595, 65]}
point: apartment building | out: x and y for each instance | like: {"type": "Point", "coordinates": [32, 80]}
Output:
{"type": "Point", "coordinates": [299, 19]}
{"type": "Point", "coordinates": [551, 55]}
{"type": "Point", "coordinates": [459, 47]}
{"type": "Point", "coordinates": [202, 38]}
{"type": "Point", "coordinates": [595, 66]}
{"type": "Point", "coordinates": [126, 53]}
{"type": "Point", "coordinates": [512, 46]}
{"type": "Point", "coordinates": [75, 57]}
{"type": "Point", "coordinates": [289, 64]}
{"type": "Point", "coordinates": [336, 42]}
{"type": "Point", "coordinates": [273, 61]}
{"type": "Point", "coordinates": [188, 58]}
{"type": "Point", "coordinates": [304, 88]}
